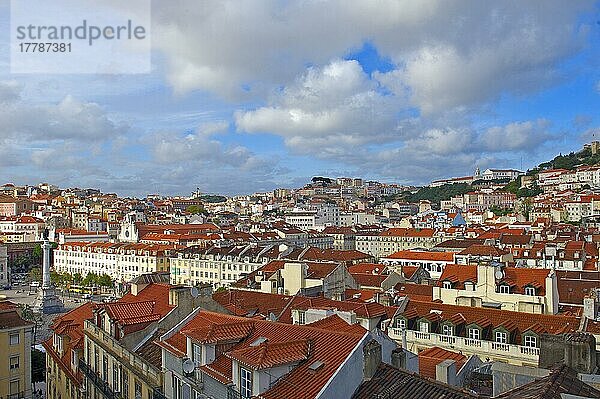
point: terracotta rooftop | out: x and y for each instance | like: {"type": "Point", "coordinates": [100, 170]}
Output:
{"type": "Point", "coordinates": [562, 380]}
{"type": "Point", "coordinates": [423, 256]}
{"type": "Point", "coordinates": [267, 355]}
{"type": "Point", "coordinates": [390, 382]}
{"type": "Point", "coordinates": [272, 343]}
{"type": "Point", "coordinates": [431, 357]}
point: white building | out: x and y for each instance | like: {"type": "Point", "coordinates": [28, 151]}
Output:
{"type": "Point", "coordinates": [122, 262]}
{"type": "Point", "coordinates": [4, 272]}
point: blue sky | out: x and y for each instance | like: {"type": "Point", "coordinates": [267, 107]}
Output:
{"type": "Point", "coordinates": [249, 96]}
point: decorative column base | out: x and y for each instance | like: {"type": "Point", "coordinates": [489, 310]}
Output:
{"type": "Point", "coordinates": [48, 302]}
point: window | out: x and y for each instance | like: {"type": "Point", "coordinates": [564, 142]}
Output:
{"type": "Point", "coordinates": [15, 388]}
{"type": "Point", "coordinates": [245, 383]}
{"type": "Point", "coordinates": [14, 362]}
{"type": "Point", "coordinates": [138, 389]}
{"type": "Point", "coordinates": [501, 337]}
{"type": "Point", "coordinates": [115, 378]}
{"type": "Point", "coordinates": [447, 285]}
{"type": "Point", "coordinates": [197, 354]}
{"type": "Point", "coordinates": [474, 333]}
{"type": "Point", "coordinates": [301, 318]}
{"type": "Point", "coordinates": [530, 291]}
{"type": "Point", "coordinates": [14, 339]}
{"type": "Point", "coordinates": [447, 329]}
{"type": "Point", "coordinates": [424, 327]}
{"type": "Point", "coordinates": [504, 289]}
{"type": "Point", "coordinates": [125, 391]}
{"type": "Point", "coordinates": [105, 368]}
{"type": "Point", "coordinates": [530, 341]}
{"type": "Point", "coordinates": [400, 323]}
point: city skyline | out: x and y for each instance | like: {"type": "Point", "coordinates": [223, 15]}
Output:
{"type": "Point", "coordinates": [249, 97]}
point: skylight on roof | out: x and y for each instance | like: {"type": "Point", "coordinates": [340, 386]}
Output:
{"type": "Point", "coordinates": [258, 341]}
{"type": "Point", "coordinates": [316, 365]}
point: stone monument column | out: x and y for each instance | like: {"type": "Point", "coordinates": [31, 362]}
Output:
{"type": "Point", "coordinates": [47, 301]}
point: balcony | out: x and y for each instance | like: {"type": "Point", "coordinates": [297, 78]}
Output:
{"type": "Point", "coordinates": [97, 380]}
{"type": "Point", "coordinates": [121, 353]}
{"type": "Point", "coordinates": [494, 350]}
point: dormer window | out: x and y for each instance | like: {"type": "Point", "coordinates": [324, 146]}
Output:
{"type": "Point", "coordinates": [447, 329]}
{"type": "Point", "coordinates": [504, 289]}
{"type": "Point", "coordinates": [301, 317]}
{"type": "Point", "coordinates": [447, 285]}
{"type": "Point", "coordinates": [245, 383]}
{"type": "Point", "coordinates": [474, 333]}
{"type": "Point", "coordinates": [197, 354]}
{"type": "Point", "coordinates": [424, 327]}
{"type": "Point", "coordinates": [530, 291]}
{"type": "Point", "coordinates": [530, 341]}
{"type": "Point", "coordinates": [501, 337]}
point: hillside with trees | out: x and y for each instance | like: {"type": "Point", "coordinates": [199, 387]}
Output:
{"type": "Point", "coordinates": [437, 194]}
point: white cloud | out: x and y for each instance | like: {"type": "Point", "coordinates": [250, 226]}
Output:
{"type": "Point", "coordinates": [517, 136]}
{"type": "Point", "coordinates": [333, 106]}
{"type": "Point", "coordinates": [448, 54]}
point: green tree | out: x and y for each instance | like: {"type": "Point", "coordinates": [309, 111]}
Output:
{"type": "Point", "coordinates": [77, 278]}
{"type": "Point", "coordinates": [91, 279]}
{"type": "Point", "coordinates": [37, 252]}
{"type": "Point", "coordinates": [525, 207]}
{"type": "Point", "coordinates": [195, 210]}
{"type": "Point", "coordinates": [105, 281]}
{"type": "Point", "coordinates": [38, 366]}
{"type": "Point", "coordinates": [35, 274]}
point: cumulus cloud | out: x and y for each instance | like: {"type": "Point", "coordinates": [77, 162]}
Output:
{"type": "Point", "coordinates": [447, 54]}
{"type": "Point", "coordinates": [70, 119]}
{"type": "Point", "coordinates": [517, 136]}
{"type": "Point", "coordinates": [333, 106]}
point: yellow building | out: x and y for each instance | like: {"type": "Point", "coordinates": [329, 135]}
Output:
{"type": "Point", "coordinates": [63, 351]}
{"type": "Point", "coordinates": [15, 347]}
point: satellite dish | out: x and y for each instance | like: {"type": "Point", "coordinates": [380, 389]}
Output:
{"type": "Point", "coordinates": [194, 292]}
{"type": "Point", "coordinates": [499, 274]}
{"type": "Point", "coordinates": [188, 366]}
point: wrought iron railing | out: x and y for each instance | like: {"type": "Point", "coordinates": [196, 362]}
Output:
{"type": "Point", "coordinates": [97, 380]}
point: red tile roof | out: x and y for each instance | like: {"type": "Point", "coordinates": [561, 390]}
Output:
{"type": "Point", "coordinates": [423, 255]}
{"type": "Point", "coordinates": [430, 358]}
{"type": "Point", "coordinates": [285, 343]}
{"type": "Point", "coordinates": [267, 355]}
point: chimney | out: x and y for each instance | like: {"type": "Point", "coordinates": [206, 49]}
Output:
{"type": "Point", "coordinates": [371, 359]}
{"type": "Point", "coordinates": [580, 352]}
{"type": "Point", "coordinates": [446, 372]}
{"type": "Point", "coordinates": [590, 307]}
{"type": "Point", "coordinates": [399, 358]}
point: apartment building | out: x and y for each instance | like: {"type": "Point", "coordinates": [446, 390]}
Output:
{"type": "Point", "coordinates": [433, 262]}
{"type": "Point", "coordinates": [507, 288]}
{"type": "Point", "coordinates": [570, 255]}
{"type": "Point", "coordinates": [15, 345]}
{"type": "Point", "coordinates": [218, 266]}
{"type": "Point", "coordinates": [4, 270]}
{"type": "Point", "coordinates": [506, 336]}
{"type": "Point", "coordinates": [344, 238]}
{"type": "Point", "coordinates": [22, 228]}
{"type": "Point", "coordinates": [121, 261]}
{"type": "Point", "coordinates": [393, 240]}
{"type": "Point", "coordinates": [11, 206]}
{"type": "Point", "coordinates": [218, 356]}
{"type": "Point", "coordinates": [64, 378]}
{"type": "Point", "coordinates": [120, 358]}
{"type": "Point", "coordinates": [329, 279]}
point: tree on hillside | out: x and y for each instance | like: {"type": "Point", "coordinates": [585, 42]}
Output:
{"type": "Point", "coordinates": [195, 210]}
